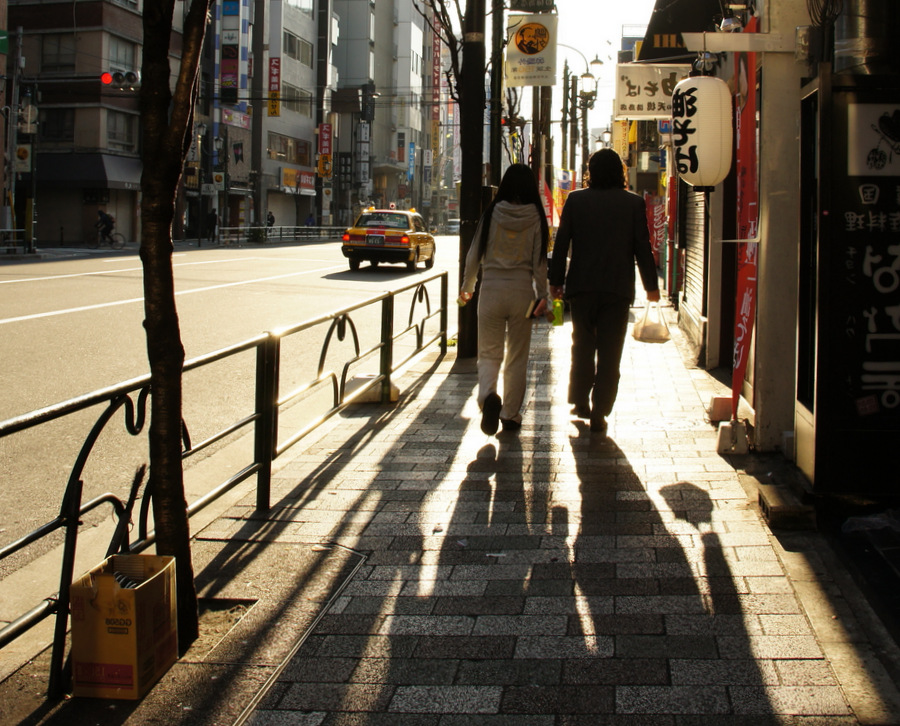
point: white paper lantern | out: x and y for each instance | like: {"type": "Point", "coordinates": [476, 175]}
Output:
{"type": "Point", "coordinates": [702, 130]}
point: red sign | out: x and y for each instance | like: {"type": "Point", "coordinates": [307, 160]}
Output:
{"type": "Point", "coordinates": [656, 223]}
{"type": "Point", "coordinates": [274, 74]}
{"type": "Point", "coordinates": [748, 216]}
{"type": "Point", "coordinates": [325, 139]}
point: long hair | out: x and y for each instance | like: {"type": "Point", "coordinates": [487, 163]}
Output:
{"type": "Point", "coordinates": [517, 186]}
{"type": "Point", "coordinates": [606, 170]}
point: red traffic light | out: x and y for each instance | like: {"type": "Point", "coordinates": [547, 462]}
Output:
{"type": "Point", "coordinates": [106, 78]}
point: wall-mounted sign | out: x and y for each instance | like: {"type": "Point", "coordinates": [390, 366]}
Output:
{"type": "Point", "coordinates": [874, 137]}
{"type": "Point", "coordinates": [23, 159]}
{"type": "Point", "coordinates": [274, 86]}
{"type": "Point", "coordinates": [644, 90]}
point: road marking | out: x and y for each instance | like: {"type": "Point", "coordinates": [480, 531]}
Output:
{"type": "Point", "coordinates": [133, 269]}
{"type": "Point", "coordinates": [98, 306]}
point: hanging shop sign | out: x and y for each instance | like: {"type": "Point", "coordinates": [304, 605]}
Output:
{"type": "Point", "coordinates": [702, 130]}
{"type": "Point", "coordinates": [531, 51]}
{"type": "Point", "coordinates": [644, 90]}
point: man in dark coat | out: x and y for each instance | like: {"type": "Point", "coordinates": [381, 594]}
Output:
{"type": "Point", "coordinates": [605, 227]}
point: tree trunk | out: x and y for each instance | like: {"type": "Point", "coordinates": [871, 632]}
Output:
{"type": "Point", "coordinates": [166, 122]}
{"type": "Point", "coordinates": [471, 109]}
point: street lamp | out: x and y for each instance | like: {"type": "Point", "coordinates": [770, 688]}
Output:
{"type": "Point", "coordinates": [198, 222]}
{"type": "Point", "coordinates": [586, 98]}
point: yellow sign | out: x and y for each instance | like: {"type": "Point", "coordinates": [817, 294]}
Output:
{"type": "Point", "coordinates": [325, 166]}
{"type": "Point", "coordinates": [274, 103]}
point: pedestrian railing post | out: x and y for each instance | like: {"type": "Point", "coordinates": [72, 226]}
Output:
{"type": "Point", "coordinates": [444, 312]}
{"type": "Point", "coordinates": [70, 510]}
{"type": "Point", "coordinates": [267, 422]}
{"type": "Point", "coordinates": [387, 346]}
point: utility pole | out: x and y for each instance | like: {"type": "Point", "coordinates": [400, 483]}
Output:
{"type": "Point", "coordinates": [496, 129]}
{"type": "Point", "coordinates": [472, 100]}
{"type": "Point", "coordinates": [565, 117]}
{"type": "Point", "coordinates": [12, 140]}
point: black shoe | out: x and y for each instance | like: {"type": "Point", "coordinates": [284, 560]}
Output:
{"type": "Point", "coordinates": [490, 414]}
{"type": "Point", "coordinates": [509, 424]}
{"type": "Point", "coordinates": [581, 411]}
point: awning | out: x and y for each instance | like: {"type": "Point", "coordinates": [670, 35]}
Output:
{"type": "Point", "coordinates": [89, 171]}
{"type": "Point", "coordinates": [669, 20]}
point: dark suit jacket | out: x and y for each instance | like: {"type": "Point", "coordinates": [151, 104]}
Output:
{"type": "Point", "coordinates": [606, 230]}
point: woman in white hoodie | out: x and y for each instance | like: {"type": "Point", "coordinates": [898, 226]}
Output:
{"type": "Point", "coordinates": [510, 247]}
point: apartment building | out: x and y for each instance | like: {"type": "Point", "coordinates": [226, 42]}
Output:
{"type": "Point", "coordinates": [85, 144]}
{"type": "Point", "coordinates": [267, 117]}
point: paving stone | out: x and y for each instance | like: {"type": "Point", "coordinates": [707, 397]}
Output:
{"type": "Point", "coordinates": [547, 578]}
{"type": "Point", "coordinates": [504, 672]}
{"type": "Point", "coordinates": [446, 699]}
{"type": "Point", "coordinates": [672, 700]}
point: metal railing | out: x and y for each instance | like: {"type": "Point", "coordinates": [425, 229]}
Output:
{"type": "Point", "coordinates": [13, 241]}
{"type": "Point", "coordinates": [261, 235]}
{"type": "Point", "coordinates": [426, 324]}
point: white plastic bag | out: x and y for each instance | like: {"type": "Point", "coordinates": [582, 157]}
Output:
{"type": "Point", "coordinates": [651, 327]}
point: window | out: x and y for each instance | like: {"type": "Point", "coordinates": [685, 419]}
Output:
{"type": "Point", "coordinates": [289, 151]}
{"type": "Point", "coordinates": [296, 99]}
{"type": "Point", "coordinates": [298, 49]}
{"type": "Point", "coordinates": [304, 6]}
{"type": "Point", "coordinates": [57, 124]}
{"type": "Point", "coordinates": [121, 54]}
{"type": "Point", "coordinates": [120, 131]}
{"type": "Point", "coordinates": [58, 53]}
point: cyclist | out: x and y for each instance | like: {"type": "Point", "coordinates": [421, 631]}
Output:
{"type": "Point", "coordinates": [106, 224]}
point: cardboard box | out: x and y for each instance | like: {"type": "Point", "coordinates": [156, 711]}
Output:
{"type": "Point", "coordinates": [123, 638]}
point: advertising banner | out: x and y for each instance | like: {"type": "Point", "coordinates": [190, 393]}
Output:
{"type": "Point", "coordinates": [748, 216]}
{"type": "Point", "coordinates": [531, 51]}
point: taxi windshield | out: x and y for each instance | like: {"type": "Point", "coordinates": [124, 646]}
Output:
{"type": "Point", "coordinates": [383, 219]}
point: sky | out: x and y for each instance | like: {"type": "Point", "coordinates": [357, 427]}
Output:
{"type": "Point", "coordinates": [594, 27]}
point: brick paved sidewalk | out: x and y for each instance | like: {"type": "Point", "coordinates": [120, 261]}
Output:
{"type": "Point", "coordinates": [546, 577]}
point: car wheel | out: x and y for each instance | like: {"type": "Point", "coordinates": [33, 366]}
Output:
{"type": "Point", "coordinates": [429, 263]}
{"type": "Point", "coordinates": [411, 264]}
{"type": "Point", "coordinates": [354, 264]}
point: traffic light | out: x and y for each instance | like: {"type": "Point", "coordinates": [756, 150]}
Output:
{"type": "Point", "coordinates": [121, 79]}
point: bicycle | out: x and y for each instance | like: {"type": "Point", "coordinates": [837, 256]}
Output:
{"type": "Point", "coordinates": [115, 240]}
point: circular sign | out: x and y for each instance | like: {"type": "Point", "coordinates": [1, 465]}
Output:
{"type": "Point", "coordinates": [532, 38]}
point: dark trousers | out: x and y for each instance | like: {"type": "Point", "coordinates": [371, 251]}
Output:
{"type": "Point", "coordinates": [599, 325]}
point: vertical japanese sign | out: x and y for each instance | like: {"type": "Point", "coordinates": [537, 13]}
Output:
{"type": "Point", "coordinates": [747, 217]}
{"type": "Point", "coordinates": [531, 52]}
{"type": "Point", "coordinates": [324, 150]}
{"type": "Point", "coordinates": [274, 86]}
{"type": "Point", "coordinates": [867, 218]}
{"type": "Point", "coordinates": [436, 77]}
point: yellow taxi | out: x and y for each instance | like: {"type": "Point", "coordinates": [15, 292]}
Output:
{"type": "Point", "coordinates": [389, 235]}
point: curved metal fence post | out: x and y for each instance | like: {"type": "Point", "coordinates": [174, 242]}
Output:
{"type": "Point", "coordinates": [444, 313]}
{"type": "Point", "coordinates": [267, 421]}
{"type": "Point", "coordinates": [70, 509]}
{"type": "Point", "coordinates": [387, 346]}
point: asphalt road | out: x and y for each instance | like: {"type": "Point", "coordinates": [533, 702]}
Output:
{"type": "Point", "coordinates": [71, 324]}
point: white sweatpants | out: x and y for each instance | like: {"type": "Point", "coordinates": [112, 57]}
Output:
{"type": "Point", "coordinates": [503, 328]}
